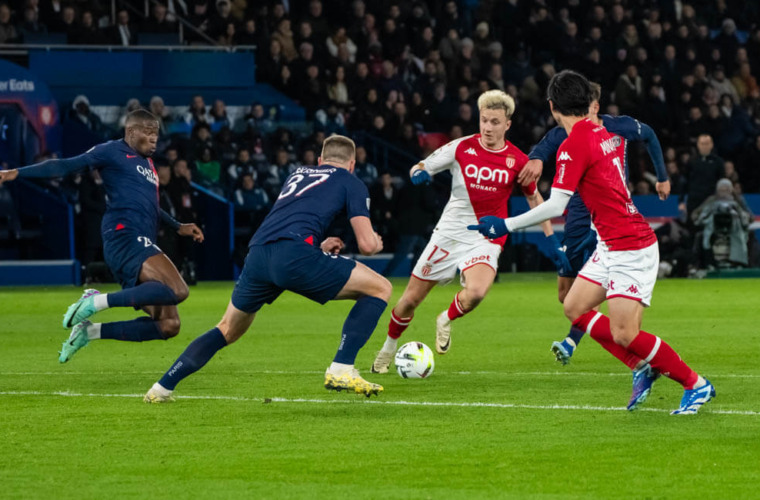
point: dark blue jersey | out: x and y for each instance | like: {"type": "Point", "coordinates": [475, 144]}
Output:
{"type": "Point", "coordinates": [130, 181]}
{"type": "Point", "coordinates": [578, 218]}
{"type": "Point", "coordinates": [309, 200]}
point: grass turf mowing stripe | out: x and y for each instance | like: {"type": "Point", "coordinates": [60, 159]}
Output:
{"type": "Point", "coordinates": [369, 401]}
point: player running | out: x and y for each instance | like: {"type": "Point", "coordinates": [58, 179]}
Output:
{"type": "Point", "coordinates": [580, 239]}
{"type": "Point", "coordinates": [623, 269]}
{"type": "Point", "coordinates": [484, 167]}
{"type": "Point", "coordinates": [284, 254]}
{"type": "Point", "coordinates": [148, 278]}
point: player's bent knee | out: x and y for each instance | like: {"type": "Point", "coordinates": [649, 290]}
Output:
{"type": "Point", "coordinates": [169, 327]}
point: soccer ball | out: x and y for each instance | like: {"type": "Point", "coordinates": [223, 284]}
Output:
{"type": "Point", "coordinates": [414, 360]}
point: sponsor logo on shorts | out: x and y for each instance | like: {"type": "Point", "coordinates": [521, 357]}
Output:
{"type": "Point", "coordinates": [612, 285]}
{"type": "Point", "coordinates": [477, 259]}
{"type": "Point", "coordinates": [633, 289]}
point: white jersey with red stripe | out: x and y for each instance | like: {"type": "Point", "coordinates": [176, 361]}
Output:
{"type": "Point", "coordinates": [482, 181]}
{"type": "Point", "coordinates": [591, 160]}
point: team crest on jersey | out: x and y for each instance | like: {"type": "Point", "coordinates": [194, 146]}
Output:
{"type": "Point", "coordinates": [426, 269]}
{"type": "Point", "coordinates": [631, 208]}
{"type": "Point", "coordinates": [511, 161]}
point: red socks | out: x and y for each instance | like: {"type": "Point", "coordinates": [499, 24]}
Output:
{"type": "Point", "coordinates": [598, 326]}
{"type": "Point", "coordinates": [455, 309]}
{"type": "Point", "coordinates": [397, 325]}
{"type": "Point", "coordinates": [646, 346]}
{"type": "Point", "coordinates": [663, 358]}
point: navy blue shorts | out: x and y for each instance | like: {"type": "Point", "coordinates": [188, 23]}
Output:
{"type": "Point", "coordinates": [578, 249]}
{"type": "Point", "coordinates": [125, 251]}
{"type": "Point", "coordinates": [289, 265]}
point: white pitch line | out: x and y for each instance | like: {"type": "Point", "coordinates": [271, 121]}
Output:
{"type": "Point", "coordinates": [446, 404]}
{"type": "Point", "coordinates": [318, 372]}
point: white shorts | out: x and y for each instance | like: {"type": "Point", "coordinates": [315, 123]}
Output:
{"type": "Point", "coordinates": [629, 273]}
{"type": "Point", "coordinates": [443, 256]}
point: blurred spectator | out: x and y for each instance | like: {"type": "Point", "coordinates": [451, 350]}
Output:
{"type": "Point", "coordinates": [337, 91]}
{"type": "Point", "coordinates": [31, 23]}
{"type": "Point", "coordinates": [250, 35]}
{"type": "Point", "coordinates": [157, 22]}
{"type": "Point", "coordinates": [88, 32]}
{"type": "Point", "coordinates": [257, 120]}
{"type": "Point", "coordinates": [384, 196]}
{"type": "Point", "coordinates": [80, 111]}
{"type": "Point", "coordinates": [240, 167]}
{"type": "Point", "coordinates": [364, 170]}
{"type": "Point", "coordinates": [209, 170]}
{"type": "Point", "coordinates": [284, 35]}
{"type": "Point", "coordinates": [131, 105]}
{"type": "Point", "coordinates": [201, 139]}
{"type": "Point", "coordinates": [218, 118]}
{"type": "Point", "coordinates": [702, 173]}
{"type": "Point", "coordinates": [220, 20]}
{"type": "Point", "coordinates": [313, 91]}
{"type": "Point", "coordinates": [269, 66]}
{"type": "Point", "coordinates": [317, 19]}
{"type": "Point", "coordinates": [251, 202]}
{"type": "Point", "coordinates": [629, 91]}
{"type": "Point", "coordinates": [745, 84]}
{"type": "Point", "coordinates": [8, 32]}
{"type": "Point", "coordinates": [196, 112]}
{"type": "Point", "coordinates": [225, 146]}
{"type": "Point", "coordinates": [272, 177]}
{"type": "Point", "coordinates": [338, 38]}
{"type": "Point", "coordinates": [724, 218]}
{"type": "Point", "coordinates": [160, 111]}
{"type": "Point", "coordinates": [331, 121]}
{"type": "Point", "coordinates": [123, 32]}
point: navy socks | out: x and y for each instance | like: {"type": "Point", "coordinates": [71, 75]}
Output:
{"type": "Point", "coordinates": [576, 334]}
{"type": "Point", "coordinates": [136, 330]}
{"type": "Point", "coordinates": [358, 327]}
{"type": "Point", "coordinates": [150, 293]}
{"type": "Point", "coordinates": [197, 354]}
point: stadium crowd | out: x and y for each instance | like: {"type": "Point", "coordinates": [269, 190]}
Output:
{"type": "Point", "coordinates": [399, 70]}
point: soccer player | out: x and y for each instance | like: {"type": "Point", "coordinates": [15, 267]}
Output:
{"type": "Point", "coordinates": [484, 167]}
{"type": "Point", "coordinates": [285, 254]}
{"type": "Point", "coordinates": [580, 239]}
{"type": "Point", "coordinates": [148, 278]}
{"type": "Point", "coordinates": [623, 268]}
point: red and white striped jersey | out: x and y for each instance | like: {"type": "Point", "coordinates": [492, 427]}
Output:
{"type": "Point", "coordinates": [482, 181]}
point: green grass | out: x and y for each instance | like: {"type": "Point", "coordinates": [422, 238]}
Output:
{"type": "Point", "coordinates": [343, 446]}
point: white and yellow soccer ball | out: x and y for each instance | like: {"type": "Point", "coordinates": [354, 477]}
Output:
{"type": "Point", "coordinates": [414, 360]}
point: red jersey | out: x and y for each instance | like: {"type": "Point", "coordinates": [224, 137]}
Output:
{"type": "Point", "coordinates": [482, 181]}
{"type": "Point", "coordinates": [591, 161]}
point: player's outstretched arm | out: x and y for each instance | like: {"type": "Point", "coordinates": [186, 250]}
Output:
{"type": "Point", "coordinates": [541, 153]}
{"type": "Point", "coordinates": [191, 230]}
{"type": "Point", "coordinates": [368, 240]}
{"type": "Point", "coordinates": [8, 175]}
{"type": "Point", "coordinates": [54, 168]}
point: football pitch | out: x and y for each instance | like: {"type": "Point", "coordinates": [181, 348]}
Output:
{"type": "Point", "coordinates": [499, 418]}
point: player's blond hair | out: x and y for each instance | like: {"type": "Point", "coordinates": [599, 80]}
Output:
{"type": "Point", "coordinates": [497, 99]}
{"type": "Point", "coordinates": [596, 91]}
{"type": "Point", "coordinates": [338, 148]}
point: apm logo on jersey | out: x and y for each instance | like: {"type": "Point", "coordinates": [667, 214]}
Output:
{"type": "Point", "coordinates": [488, 175]}
{"type": "Point", "coordinates": [149, 174]}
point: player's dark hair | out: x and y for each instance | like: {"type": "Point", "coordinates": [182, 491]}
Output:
{"type": "Point", "coordinates": [570, 93]}
{"type": "Point", "coordinates": [596, 91]}
{"type": "Point", "coordinates": [140, 116]}
{"type": "Point", "coordinates": [338, 148]}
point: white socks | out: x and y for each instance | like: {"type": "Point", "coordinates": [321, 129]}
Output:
{"type": "Point", "coordinates": [100, 301]}
{"type": "Point", "coordinates": [390, 344]}
{"type": "Point", "coordinates": [93, 331]}
{"type": "Point", "coordinates": [339, 369]}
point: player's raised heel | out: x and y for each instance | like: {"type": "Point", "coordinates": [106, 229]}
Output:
{"type": "Point", "coordinates": [643, 379]}
{"type": "Point", "coordinates": [563, 351]}
{"type": "Point", "coordinates": [442, 333]}
{"type": "Point", "coordinates": [158, 394]}
{"type": "Point", "coordinates": [76, 341]}
{"type": "Point", "coordinates": [693, 399]}
{"type": "Point", "coordinates": [382, 362]}
{"type": "Point", "coordinates": [81, 309]}
{"type": "Point", "coordinates": [351, 381]}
